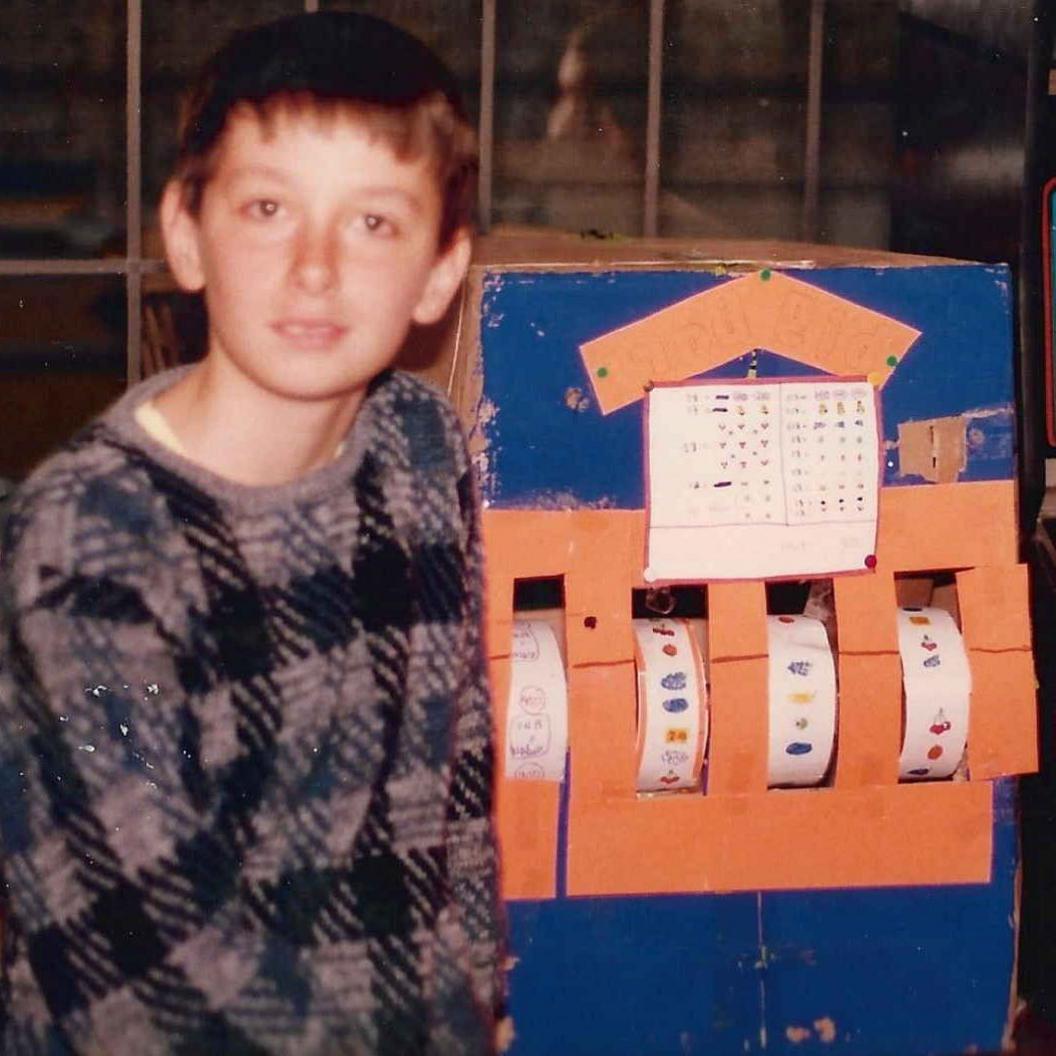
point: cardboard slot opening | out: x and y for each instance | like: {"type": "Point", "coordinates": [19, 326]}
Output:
{"type": "Point", "coordinates": [814, 598]}
{"type": "Point", "coordinates": [921, 590]}
{"type": "Point", "coordinates": [543, 598]}
{"type": "Point", "coordinates": [684, 603]}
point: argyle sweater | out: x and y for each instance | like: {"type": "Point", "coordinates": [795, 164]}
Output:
{"type": "Point", "coordinates": [245, 749]}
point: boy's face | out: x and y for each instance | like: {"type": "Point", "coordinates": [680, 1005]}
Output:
{"type": "Point", "coordinates": [316, 248]}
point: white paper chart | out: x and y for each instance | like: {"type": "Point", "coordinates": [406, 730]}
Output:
{"type": "Point", "coordinates": [749, 480]}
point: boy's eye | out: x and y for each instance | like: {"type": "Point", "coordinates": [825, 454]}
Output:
{"type": "Point", "coordinates": [377, 224]}
{"type": "Point", "coordinates": [262, 208]}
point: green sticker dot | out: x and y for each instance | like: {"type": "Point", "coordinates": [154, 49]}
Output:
{"type": "Point", "coordinates": [892, 361]}
{"type": "Point", "coordinates": [765, 274]}
{"type": "Point", "coordinates": [603, 372]}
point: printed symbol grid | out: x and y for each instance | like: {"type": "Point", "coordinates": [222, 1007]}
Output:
{"type": "Point", "coordinates": [782, 454]}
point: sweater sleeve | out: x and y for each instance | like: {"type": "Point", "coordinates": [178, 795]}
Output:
{"type": "Point", "coordinates": [472, 844]}
{"type": "Point", "coordinates": [96, 788]}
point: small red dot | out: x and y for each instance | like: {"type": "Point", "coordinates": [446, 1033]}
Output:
{"type": "Point", "coordinates": [870, 561]}
{"type": "Point", "coordinates": [934, 753]}
{"type": "Point", "coordinates": [785, 619]}
{"type": "Point", "coordinates": [670, 650]}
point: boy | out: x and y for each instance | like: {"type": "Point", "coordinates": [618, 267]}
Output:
{"type": "Point", "coordinates": [245, 754]}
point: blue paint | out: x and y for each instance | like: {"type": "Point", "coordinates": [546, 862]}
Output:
{"type": "Point", "coordinates": [912, 971]}
{"type": "Point", "coordinates": [675, 680]}
{"type": "Point", "coordinates": [630, 976]}
{"type": "Point", "coordinates": [799, 748]}
{"type": "Point", "coordinates": [547, 454]}
{"type": "Point", "coordinates": [932, 661]}
{"type": "Point", "coordinates": [675, 705]}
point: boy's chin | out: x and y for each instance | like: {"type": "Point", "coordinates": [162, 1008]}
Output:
{"type": "Point", "coordinates": [309, 383]}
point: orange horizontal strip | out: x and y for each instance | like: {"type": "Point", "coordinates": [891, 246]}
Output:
{"type": "Point", "coordinates": [945, 526]}
{"type": "Point", "coordinates": [921, 834]}
{"type": "Point", "coordinates": [979, 518]}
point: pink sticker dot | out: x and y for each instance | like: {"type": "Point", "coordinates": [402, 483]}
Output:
{"type": "Point", "coordinates": [870, 561]}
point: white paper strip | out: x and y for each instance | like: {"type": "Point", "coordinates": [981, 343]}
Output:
{"type": "Point", "coordinates": [537, 721]}
{"type": "Point", "coordinates": [937, 683]}
{"type": "Point", "coordinates": [802, 689]}
{"type": "Point", "coordinates": [751, 480]}
{"type": "Point", "coordinates": [672, 706]}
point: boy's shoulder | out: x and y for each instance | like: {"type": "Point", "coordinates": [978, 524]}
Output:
{"type": "Point", "coordinates": [89, 494]}
{"type": "Point", "coordinates": [423, 417]}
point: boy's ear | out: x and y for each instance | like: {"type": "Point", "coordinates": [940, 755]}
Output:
{"type": "Point", "coordinates": [179, 231]}
{"type": "Point", "coordinates": [448, 271]}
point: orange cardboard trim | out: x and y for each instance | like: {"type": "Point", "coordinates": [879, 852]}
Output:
{"type": "Point", "coordinates": [980, 521]}
{"type": "Point", "coordinates": [526, 812]}
{"type": "Point", "coordinates": [764, 310]}
{"type": "Point", "coordinates": [869, 717]}
{"type": "Point", "coordinates": [938, 833]}
{"type": "Point", "coordinates": [1002, 724]}
{"type": "Point", "coordinates": [620, 843]}
{"type": "Point", "coordinates": [865, 831]}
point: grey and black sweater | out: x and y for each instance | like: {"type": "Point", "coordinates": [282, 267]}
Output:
{"type": "Point", "coordinates": [245, 749]}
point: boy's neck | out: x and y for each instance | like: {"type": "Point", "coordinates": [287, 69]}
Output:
{"type": "Point", "coordinates": [243, 433]}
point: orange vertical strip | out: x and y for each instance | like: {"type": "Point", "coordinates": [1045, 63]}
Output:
{"type": "Point", "coordinates": [995, 621]}
{"type": "Point", "coordinates": [1002, 723]}
{"type": "Point", "coordinates": [607, 549]}
{"type": "Point", "coordinates": [526, 812]}
{"type": "Point", "coordinates": [738, 673]}
{"type": "Point", "coordinates": [869, 730]}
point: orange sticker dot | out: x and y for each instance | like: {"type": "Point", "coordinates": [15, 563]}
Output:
{"type": "Point", "coordinates": [935, 752]}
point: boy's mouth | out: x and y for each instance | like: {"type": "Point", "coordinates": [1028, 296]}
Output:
{"type": "Point", "coordinates": [309, 333]}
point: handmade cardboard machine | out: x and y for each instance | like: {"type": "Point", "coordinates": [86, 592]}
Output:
{"type": "Point", "coordinates": [875, 910]}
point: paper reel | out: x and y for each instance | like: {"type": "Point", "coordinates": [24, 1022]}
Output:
{"type": "Point", "coordinates": [537, 717]}
{"type": "Point", "coordinates": [672, 706]}
{"type": "Point", "coordinates": [802, 692]}
{"type": "Point", "coordinates": [937, 689]}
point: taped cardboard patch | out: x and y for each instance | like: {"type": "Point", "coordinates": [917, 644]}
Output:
{"type": "Point", "coordinates": [935, 449]}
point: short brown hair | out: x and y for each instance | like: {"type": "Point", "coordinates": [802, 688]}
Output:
{"type": "Point", "coordinates": [335, 62]}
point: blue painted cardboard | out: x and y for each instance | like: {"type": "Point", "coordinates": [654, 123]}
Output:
{"type": "Point", "coordinates": [869, 972]}
{"type": "Point", "coordinates": [898, 971]}
{"type": "Point", "coordinates": [548, 445]}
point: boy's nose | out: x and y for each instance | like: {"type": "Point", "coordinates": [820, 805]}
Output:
{"type": "Point", "coordinates": [315, 261]}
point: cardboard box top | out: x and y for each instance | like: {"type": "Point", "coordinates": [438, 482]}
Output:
{"type": "Point", "coordinates": [512, 247]}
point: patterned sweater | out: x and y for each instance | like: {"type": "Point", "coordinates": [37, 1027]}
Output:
{"type": "Point", "coordinates": [245, 749]}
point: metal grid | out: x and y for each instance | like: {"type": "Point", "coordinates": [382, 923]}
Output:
{"type": "Point", "coordinates": [133, 266]}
